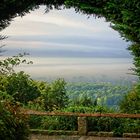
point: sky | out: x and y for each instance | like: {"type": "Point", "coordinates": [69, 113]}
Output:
{"type": "Point", "coordinates": [63, 33]}
{"type": "Point", "coordinates": [67, 44]}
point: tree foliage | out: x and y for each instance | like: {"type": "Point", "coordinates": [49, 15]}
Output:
{"type": "Point", "coordinates": [13, 125]}
{"type": "Point", "coordinates": [54, 95]}
{"type": "Point", "coordinates": [7, 65]}
{"type": "Point", "coordinates": [131, 101]}
{"type": "Point", "coordinates": [92, 94]}
{"type": "Point", "coordinates": [21, 87]}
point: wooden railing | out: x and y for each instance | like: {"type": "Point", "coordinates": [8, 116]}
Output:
{"type": "Point", "coordinates": [82, 117]}
{"type": "Point", "coordinates": [113, 115]}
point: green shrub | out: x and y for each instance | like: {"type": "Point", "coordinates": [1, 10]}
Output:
{"type": "Point", "coordinates": [132, 125]}
{"type": "Point", "coordinates": [35, 122]}
{"type": "Point", "coordinates": [13, 125]}
{"type": "Point", "coordinates": [131, 101]}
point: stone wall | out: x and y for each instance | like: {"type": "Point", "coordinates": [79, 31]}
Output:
{"type": "Point", "coordinates": [81, 134]}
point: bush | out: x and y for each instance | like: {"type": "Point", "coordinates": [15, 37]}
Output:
{"type": "Point", "coordinates": [131, 102]}
{"type": "Point", "coordinates": [22, 87]}
{"type": "Point", "coordinates": [132, 125]}
{"type": "Point", "coordinates": [13, 125]}
{"type": "Point", "coordinates": [35, 122]}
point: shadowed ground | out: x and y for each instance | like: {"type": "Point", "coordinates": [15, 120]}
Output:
{"type": "Point", "coordinates": [44, 137]}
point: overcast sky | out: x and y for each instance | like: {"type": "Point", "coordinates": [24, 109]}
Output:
{"type": "Point", "coordinates": [88, 43]}
{"type": "Point", "coordinates": [63, 33]}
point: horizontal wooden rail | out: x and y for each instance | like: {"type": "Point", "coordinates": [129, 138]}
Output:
{"type": "Point", "coordinates": [113, 115]}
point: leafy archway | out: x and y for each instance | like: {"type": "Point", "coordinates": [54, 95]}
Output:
{"type": "Point", "coordinates": [123, 14]}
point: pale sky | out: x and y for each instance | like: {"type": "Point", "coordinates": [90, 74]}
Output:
{"type": "Point", "coordinates": [63, 33]}
{"type": "Point", "coordinates": [66, 44]}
